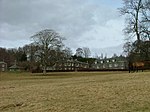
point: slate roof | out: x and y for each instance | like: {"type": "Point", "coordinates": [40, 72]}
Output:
{"type": "Point", "coordinates": [14, 67]}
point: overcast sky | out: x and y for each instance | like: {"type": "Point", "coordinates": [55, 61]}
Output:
{"type": "Point", "coordinates": [84, 23]}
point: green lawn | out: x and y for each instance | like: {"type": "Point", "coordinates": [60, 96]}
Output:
{"type": "Point", "coordinates": [75, 92]}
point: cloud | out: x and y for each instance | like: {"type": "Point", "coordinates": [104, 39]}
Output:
{"type": "Point", "coordinates": [108, 51]}
{"type": "Point", "coordinates": [107, 35]}
{"type": "Point", "coordinates": [91, 23]}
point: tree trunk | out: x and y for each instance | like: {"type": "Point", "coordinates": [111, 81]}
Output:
{"type": "Point", "coordinates": [137, 21]}
{"type": "Point", "coordinates": [44, 70]}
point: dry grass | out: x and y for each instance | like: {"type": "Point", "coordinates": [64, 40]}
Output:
{"type": "Point", "coordinates": [75, 92]}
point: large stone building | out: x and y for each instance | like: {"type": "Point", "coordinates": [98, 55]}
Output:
{"type": "Point", "coordinates": [71, 65]}
{"type": "Point", "coordinates": [111, 63]}
{"type": "Point", "coordinates": [118, 63]}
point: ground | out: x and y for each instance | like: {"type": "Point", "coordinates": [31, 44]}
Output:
{"type": "Point", "coordinates": [75, 92]}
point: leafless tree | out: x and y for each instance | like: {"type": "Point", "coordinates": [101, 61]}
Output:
{"type": "Point", "coordinates": [86, 52]}
{"type": "Point", "coordinates": [83, 52]}
{"type": "Point", "coordinates": [146, 20]}
{"type": "Point", "coordinates": [79, 52]}
{"type": "Point", "coordinates": [127, 48]}
{"type": "Point", "coordinates": [47, 40]}
{"type": "Point", "coordinates": [137, 18]}
{"type": "Point", "coordinates": [67, 53]}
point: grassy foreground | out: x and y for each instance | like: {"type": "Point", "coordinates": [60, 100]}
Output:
{"type": "Point", "coordinates": [75, 92]}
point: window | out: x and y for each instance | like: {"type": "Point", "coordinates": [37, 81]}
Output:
{"type": "Point", "coordinates": [113, 60]}
{"type": "Point", "coordinates": [95, 62]}
{"type": "Point", "coordinates": [65, 64]}
{"type": "Point", "coordinates": [107, 61]}
{"type": "Point", "coordinates": [122, 67]}
{"type": "Point", "coordinates": [110, 65]}
{"type": "Point", "coordinates": [69, 64]}
{"type": "Point", "coordinates": [122, 64]}
{"type": "Point", "coordinates": [116, 65]}
{"type": "Point", "coordinates": [3, 65]}
{"type": "Point", "coordinates": [77, 65]}
{"type": "Point", "coordinates": [97, 67]}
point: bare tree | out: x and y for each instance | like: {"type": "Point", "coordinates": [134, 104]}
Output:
{"type": "Point", "coordinates": [146, 20]}
{"type": "Point", "coordinates": [86, 52]}
{"type": "Point", "coordinates": [146, 11]}
{"type": "Point", "coordinates": [67, 52]}
{"type": "Point", "coordinates": [47, 40]}
{"type": "Point", "coordinates": [79, 52]}
{"type": "Point", "coordinates": [127, 48]}
{"type": "Point", "coordinates": [137, 17]}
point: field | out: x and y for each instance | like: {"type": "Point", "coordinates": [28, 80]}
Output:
{"type": "Point", "coordinates": [75, 92]}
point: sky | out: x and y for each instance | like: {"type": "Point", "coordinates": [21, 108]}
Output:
{"type": "Point", "coordinates": [95, 24]}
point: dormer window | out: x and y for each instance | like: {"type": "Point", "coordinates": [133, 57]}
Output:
{"type": "Point", "coordinates": [95, 62]}
{"type": "Point", "coordinates": [113, 60]}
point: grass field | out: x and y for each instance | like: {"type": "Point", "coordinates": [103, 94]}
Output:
{"type": "Point", "coordinates": [75, 92]}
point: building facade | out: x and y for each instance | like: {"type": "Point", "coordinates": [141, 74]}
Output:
{"type": "Point", "coordinates": [111, 63]}
{"type": "Point", "coordinates": [71, 65]}
{"type": "Point", "coordinates": [3, 66]}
